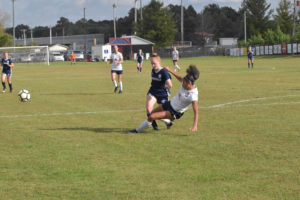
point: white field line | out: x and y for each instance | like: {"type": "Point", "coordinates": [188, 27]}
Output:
{"type": "Point", "coordinates": [142, 110]}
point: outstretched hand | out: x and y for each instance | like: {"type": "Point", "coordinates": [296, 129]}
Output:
{"type": "Point", "coordinates": [193, 129]}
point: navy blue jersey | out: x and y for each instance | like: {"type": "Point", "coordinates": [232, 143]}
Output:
{"type": "Point", "coordinates": [158, 83]}
{"type": "Point", "coordinates": [5, 63]}
{"type": "Point", "coordinates": [140, 56]}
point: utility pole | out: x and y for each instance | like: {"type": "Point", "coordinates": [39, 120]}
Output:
{"type": "Point", "coordinates": [182, 31]}
{"type": "Point", "coordinates": [135, 16]}
{"type": "Point", "coordinates": [245, 25]}
{"type": "Point", "coordinates": [31, 36]}
{"type": "Point", "coordinates": [50, 35]}
{"type": "Point", "coordinates": [14, 29]}
{"type": "Point", "coordinates": [24, 36]}
{"type": "Point", "coordinates": [294, 20]}
{"type": "Point", "coordinates": [141, 9]}
{"type": "Point", "coordinates": [114, 13]}
{"type": "Point", "coordinates": [84, 24]}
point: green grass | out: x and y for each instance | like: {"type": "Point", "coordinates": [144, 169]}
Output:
{"type": "Point", "coordinates": [244, 150]}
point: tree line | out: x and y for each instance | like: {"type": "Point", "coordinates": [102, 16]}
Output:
{"type": "Point", "coordinates": [161, 24]}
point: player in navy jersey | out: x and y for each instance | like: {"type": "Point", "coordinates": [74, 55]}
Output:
{"type": "Point", "coordinates": [175, 108]}
{"type": "Point", "coordinates": [7, 65]}
{"type": "Point", "coordinates": [140, 57]}
{"type": "Point", "coordinates": [160, 84]}
{"type": "Point", "coordinates": [250, 57]}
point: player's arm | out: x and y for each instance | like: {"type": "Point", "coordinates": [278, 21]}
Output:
{"type": "Point", "coordinates": [11, 65]}
{"type": "Point", "coordinates": [177, 76]}
{"type": "Point", "coordinates": [196, 115]}
{"type": "Point", "coordinates": [168, 84]}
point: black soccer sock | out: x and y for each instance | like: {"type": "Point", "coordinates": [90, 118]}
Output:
{"type": "Point", "coordinates": [4, 86]}
{"type": "Point", "coordinates": [10, 86]}
{"type": "Point", "coordinates": [154, 124]}
{"type": "Point", "coordinates": [252, 65]}
{"type": "Point", "coordinates": [248, 65]}
{"type": "Point", "coordinates": [140, 69]}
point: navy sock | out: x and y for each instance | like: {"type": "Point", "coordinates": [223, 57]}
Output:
{"type": "Point", "coordinates": [10, 86]}
{"type": "Point", "coordinates": [140, 69]}
{"type": "Point", "coordinates": [4, 86]}
{"type": "Point", "coordinates": [248, 65]}
{"type": "Point", "coordinates": [252, 65]}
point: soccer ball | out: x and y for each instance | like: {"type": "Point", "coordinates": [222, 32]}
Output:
{"type": "Point", "coordinates": [24, 95]}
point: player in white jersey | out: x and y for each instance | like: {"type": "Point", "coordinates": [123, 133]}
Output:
{"type": "Point", "coordinates": [117, 69]}
{"type": "Point", "coordinates": [175, 58]}
{"type": "Point", "coordinates": [174, 109]}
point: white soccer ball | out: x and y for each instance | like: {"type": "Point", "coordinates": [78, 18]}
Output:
{"type": "Point", "coordinates": [24, 95]}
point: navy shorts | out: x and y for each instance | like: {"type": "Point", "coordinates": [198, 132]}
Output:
{"type": "Point", "coordinates": [167, 107]}
{"type": "Point", "coordinates": [159, 99]}
{"type": "Point", "coordinates": [7, 72]}
{"type": "Point", "coordinates": [117, 71]}
{"type": "Point", "coordinates": [250, 57]}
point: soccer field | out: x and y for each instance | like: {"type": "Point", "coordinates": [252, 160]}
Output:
{"type": "Point", "coordinates": [68, 141]}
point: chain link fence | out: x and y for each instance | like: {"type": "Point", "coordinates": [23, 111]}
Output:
{"type": "Point", "coordinates": [194, 51]}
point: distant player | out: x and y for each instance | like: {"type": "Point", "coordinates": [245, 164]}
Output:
{"type": "Point", "coordinates": [160, 84]}
{"type": "Point", "coordinates": [174, 109]}
{"type": "Point", "coordinates": [7, 65]}
{"type": "Point", "coordinates": [175, 57]}
{"type": "Point", "coordinates": [140, 58]}
{"type": "Point", "coordinates": [73, 58]}
{"type": "Point", "coordinates": [250, 57]}
{"type": "Point", "coordinates": [117, 69]}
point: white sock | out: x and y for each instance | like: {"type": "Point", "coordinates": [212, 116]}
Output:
{"type": "Point", "coordinates": [115, 83]}
{"type": "Point", "coordinates": [167, 121]}
{"type": "Point", "coordinates": [178, 67]}
{"type": "Point", "coordinates": [121, 85]}
{"type": "Point", "coordinates": [143, 126]}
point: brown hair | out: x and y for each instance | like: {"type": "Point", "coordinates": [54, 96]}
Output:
{"type": "Point", "coordinates": [155, 56]}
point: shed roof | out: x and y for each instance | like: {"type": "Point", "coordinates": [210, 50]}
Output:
{"type": "Point", "coordinates": [129, 40]}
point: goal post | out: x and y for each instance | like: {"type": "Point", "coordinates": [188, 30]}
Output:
{"type": "Point", "coordinates": [28, 54]}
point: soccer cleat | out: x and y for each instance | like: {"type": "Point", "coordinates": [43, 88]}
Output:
{"type": "Point", "coordinates": [133, 131]}
{"type": "Point", "coordinates": [120, 91]}
{"type": "Point", "coordinates": [116, 88]}
{"type": "Point", "coordinates": [3, 91]}
{"type": "Point", "coordinates": [155, 128]}
{"type": "Point", "coordinates": [169, 125]}
{"type": "Point", "coordinates": [10, 90]}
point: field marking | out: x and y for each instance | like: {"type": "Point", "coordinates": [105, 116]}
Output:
{"type": "Point", "coordinates": [142, 110]}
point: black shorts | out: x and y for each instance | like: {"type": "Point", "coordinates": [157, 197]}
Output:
{"type": "Point", "coordinates": [167, 107]}
{"type": "Point", "coordinates": [117, 71]}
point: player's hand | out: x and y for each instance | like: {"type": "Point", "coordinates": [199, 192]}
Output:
{"type": "Point", "coordinates": [193, 129]}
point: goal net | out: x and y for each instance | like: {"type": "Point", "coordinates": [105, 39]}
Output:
{"type": "Point", "coordinates": [27, 54]}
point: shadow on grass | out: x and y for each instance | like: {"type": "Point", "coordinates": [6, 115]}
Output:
{"type": "Point", "coordinates": [95, 130]}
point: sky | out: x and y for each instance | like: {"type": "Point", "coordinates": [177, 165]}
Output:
{"type": "Point", "coordinates": [47, 12]}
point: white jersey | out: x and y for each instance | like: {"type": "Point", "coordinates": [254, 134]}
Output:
{"type": "Point", "coordinates": [183, 99]}
{"type": "Point", "coordinates": [175, 55]}
{"type": "Point", "coordinates": [116, 57]}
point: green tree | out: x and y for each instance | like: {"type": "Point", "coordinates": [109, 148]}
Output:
{"type": "Point", "coordinates": [297, 34]}
{"type": "Point", "coordinates": [157, 24]}
{"type": "Point", "coordinates": [269, 36]}
{"type": "Point", "coordinates": [284, 16]}
{"type": "Point", "coordinates": [258, 15]}
{"type": "Point", "coordinates": [256, 39]}
{"type": "Point", "coordinates": [6, 40]}
{"type": "Point", "coordinates": [281, 37]}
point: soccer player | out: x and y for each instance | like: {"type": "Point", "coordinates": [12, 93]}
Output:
{"type": "Point", "coordinates": [175, 57]}
{"type": "Point", "coordinates": [73, 58]}
{"type": "Point", "coordinates": [140, 57]}
{"type": "Point", "coordinates": [117, 69]}
{"type": "Point", "coordinates": [7, 64]}
{"type": "Point", "coordinates": [174, 109]}
{"type": "Point", "coordinates": [250, 57]}
{"type": "Point", "coordinates": [160, 85]}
